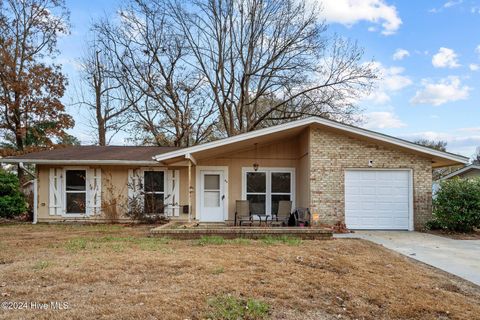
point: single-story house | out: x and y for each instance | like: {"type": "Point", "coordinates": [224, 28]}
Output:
{"type": "Point", "coordinates": [467, 172]}
{"type": "Point", "coordinates": [342, 173]}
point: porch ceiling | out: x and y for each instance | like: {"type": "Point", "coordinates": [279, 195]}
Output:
{"type": "Point", "coordinates": [248, 144]}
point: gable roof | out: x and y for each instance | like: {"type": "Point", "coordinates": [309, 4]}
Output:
{"type": "Point", "coordinates": [462, 170]}
{"type": "Point", "coordinates": [320, 122]}
{"type": "Point", "coordinates": [142, 155]}
{"type": "Point", "coordinates": [150, 155]}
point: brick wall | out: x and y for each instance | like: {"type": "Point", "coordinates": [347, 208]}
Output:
{"type": "Point", "coordinates": [331, 153]}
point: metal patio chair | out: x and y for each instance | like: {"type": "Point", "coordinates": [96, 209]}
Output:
{"type": "Point", "coordinates": [242, 212]}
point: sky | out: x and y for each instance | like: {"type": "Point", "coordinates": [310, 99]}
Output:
{"type": "Point", "coordinates": [427, 53]}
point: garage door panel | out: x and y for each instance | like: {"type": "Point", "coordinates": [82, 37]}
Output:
{"type": "Point", "coordinates": [377, 199]}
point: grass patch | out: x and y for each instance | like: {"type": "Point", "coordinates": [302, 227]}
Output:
{"type": "Point", "coordinates": [76, 244]}
{"type": "Point", "coordinates": [218, 270]}
{"type": "Point", "coordinates": [152, 244]}
{"type": "Point", "coordinates": [117, 244]}
{"type": "Point", "coordinates": [233, 308]}
{"type": "Point", "coordinates": [240, 241]}
{"type": "Point", "coordinates": [41, 265]}
{"type": "Point", "coordinates": [209, 240]}
{"type": "Point", "coordinates": [288, 240]}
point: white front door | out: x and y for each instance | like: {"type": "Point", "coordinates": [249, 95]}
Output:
{"type": "Point", "coordinates": [212, 195]}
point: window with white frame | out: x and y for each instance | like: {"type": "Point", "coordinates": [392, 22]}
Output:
{"type": "Point", "coordinates": [154, 191]}
{"type": "Point", "coordinates": [265, 188]}
{"type": "Point", "coordinates": [75, 191]}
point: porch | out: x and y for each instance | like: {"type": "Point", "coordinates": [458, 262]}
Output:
{"type": "Point", "coordinates": [230, 232]}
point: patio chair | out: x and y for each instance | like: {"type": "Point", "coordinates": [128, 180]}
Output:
{"type": "Point", "coordinates": [302, 215]}
{"type": "Point", "coordinates": [283, 213]}
{"type": "Point", "coordinates": [242, 212]}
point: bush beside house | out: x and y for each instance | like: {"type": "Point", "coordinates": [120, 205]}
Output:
{"type": "Point", "coordinates": [12, 201]}
{"type": "Point", "coordinates": [456, 206]}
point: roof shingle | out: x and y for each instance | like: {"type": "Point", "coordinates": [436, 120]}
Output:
{"type": "Point", "coordinates": [97, 153]}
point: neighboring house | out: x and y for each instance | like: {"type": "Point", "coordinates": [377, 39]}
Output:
{"type": "Point", "coordinates": [343, 173]}
{"type": "Point", "coordinates": [467, 172]}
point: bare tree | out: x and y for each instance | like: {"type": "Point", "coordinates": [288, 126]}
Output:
{"type": "Point", "coordinates": [270, 61]}
{"type": "Point", "coordinates": [166, 95]}
{"type": "Point", "coordinates": [440, 145]}
{"type": "Point", "coordinates": [194, 71]}
{"type": "Point", "coordinates": [101, 93]}
{"type": "Point", "coordinates": [437, 145]}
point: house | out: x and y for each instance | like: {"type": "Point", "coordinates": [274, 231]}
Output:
{"type": "Point", "coordinates": [467, 172]}
{"type": "Point", "coordinates": [342, 173]}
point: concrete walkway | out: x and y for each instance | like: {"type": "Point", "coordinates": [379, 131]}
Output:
{"type": "Point", "coordinates": [459, 257]}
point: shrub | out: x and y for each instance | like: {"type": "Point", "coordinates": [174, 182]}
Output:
{"type": "Point", "coordinates": [456, 206]}
{"type": "Point", "coordinates": [12, 201]}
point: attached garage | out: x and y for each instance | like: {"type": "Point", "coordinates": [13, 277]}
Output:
{"type": "Point", "coordinates": [378, 199]}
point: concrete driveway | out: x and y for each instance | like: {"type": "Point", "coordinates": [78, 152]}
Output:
{"type": "Point", "coordinates": [459, 257]}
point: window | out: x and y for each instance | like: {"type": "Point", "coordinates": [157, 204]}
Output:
{"type": "Point", "coordinates": [211, 190]}
{"type": "Point", "coordinates": [265, 188]}
{"type": "Point", "coordinates": [257, 192]}
{"type": "Point", "coordinates": [154, 191]}
{"type": "Point", "coordinates": [75, 191]}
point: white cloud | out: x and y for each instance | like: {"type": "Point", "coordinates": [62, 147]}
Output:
{"type": "Point", "coordinates": [452, 3]}
{"type": "Point", "coordinates": [446, 5]}
{"type": "Point", "coordinates": [445, 58]}
{"type": "Point", "coordinates": [400, 54]}
{"type": "Point", "coordinates": [349, 12]}
{"type": "Point", "coordinates": [446, 90]}
{"type": "Point", "coordinates": [382, 120]}
{"type": "Point", "coordinates": [474, 67]}
{"type": "Point", "coordinates": [391, 79]}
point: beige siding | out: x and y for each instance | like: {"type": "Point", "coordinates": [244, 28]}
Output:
{"type": "Point", "coordinates": [303, 172]}
{"type": "Point", "coordinates": [332, 153]}
{"type": "Point", "coordinates": [114, 194]}
{"type": "Point", "coordinates": [470, 174]}
{"type": "Point", "coordinates": [288, 153]}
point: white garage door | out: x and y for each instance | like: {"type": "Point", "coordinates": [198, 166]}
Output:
{"type": "Point", "coordinates": [377, 199]}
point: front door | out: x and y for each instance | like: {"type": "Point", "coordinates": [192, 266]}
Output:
{"type": "Point", "coordinates": [212, 196]}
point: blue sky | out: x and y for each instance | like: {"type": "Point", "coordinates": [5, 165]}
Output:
{"type": "Point", "coordinates": [428, 53]}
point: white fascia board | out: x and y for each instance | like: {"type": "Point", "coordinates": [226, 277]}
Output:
{"type": "Point", "coordinates": [81, 162]}
{"type": "Point", "coordinates": [459, 171]}
{"type": "Point", "coordinates": [310, 121]}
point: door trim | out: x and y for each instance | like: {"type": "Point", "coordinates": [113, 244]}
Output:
{"type": "Point", "coordinates": [410, 191]}
{"type": "Point", "coordinates": [198, 170]}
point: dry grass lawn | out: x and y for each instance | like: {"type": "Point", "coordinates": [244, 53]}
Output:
{"type": "Point", "coordinates": [116, 272]}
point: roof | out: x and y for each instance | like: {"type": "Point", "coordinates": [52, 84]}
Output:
{"type": "Point", "coordinates": [92, 155]}
{"type": "Point", "coordinates": [140, 155]}
{"type": "Point", "coordinates": [462, 170]}
{"type": "Point", "coordinates": [317, 121]}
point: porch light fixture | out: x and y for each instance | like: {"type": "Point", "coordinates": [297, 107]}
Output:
{"type": "Point", "coordinates": [255, 164]}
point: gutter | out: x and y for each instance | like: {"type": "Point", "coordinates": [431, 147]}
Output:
{"type": "Point", "coordinates": [80, 162]}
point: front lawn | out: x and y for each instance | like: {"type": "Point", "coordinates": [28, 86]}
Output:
{"type": "Point", "coordinates": [117, 272]}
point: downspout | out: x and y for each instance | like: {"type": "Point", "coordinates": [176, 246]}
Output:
{"type": "Point", "coordinates": [35, 201]}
